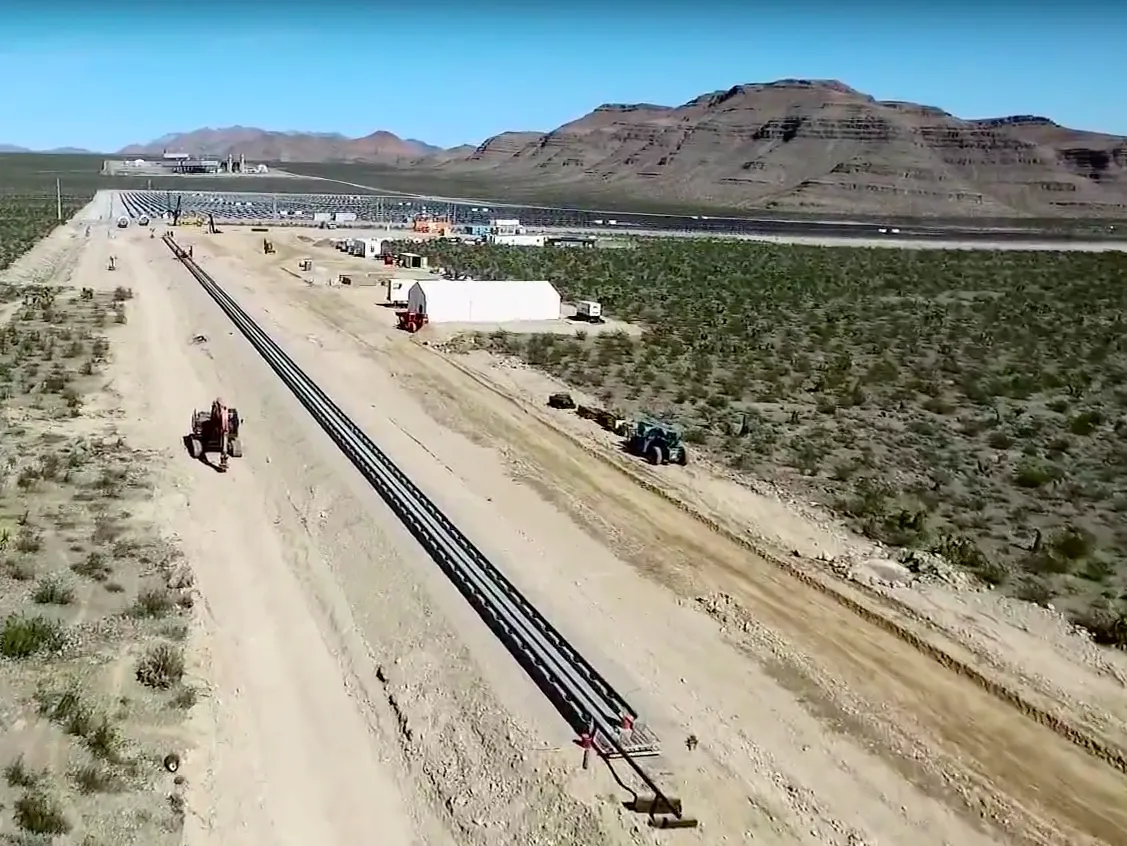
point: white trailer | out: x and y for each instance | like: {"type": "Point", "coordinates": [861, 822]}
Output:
{"type": "Point", "coordinates": [589, 310]}
{"type": "Point", "coordinates": [322, 216]}
{"type": "Point", "coordinates": [517, 240]}
{"type": "Point", "coordinates": [397, 290]}
{"type": "Point", "coordinates": [344, 217]}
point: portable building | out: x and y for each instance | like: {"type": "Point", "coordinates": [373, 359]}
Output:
{"type": "Point", "coordinates": [483, 301]}
{"type": "Point", "coordinates": [319, 216]}
{"type": "Point", "coordinates": [509, 226]}
{"type": "Point", "coordinates": [344, 217]}
{"type": "Point", "coordinates": [412, 261]}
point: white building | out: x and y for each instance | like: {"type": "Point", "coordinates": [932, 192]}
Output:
{"type": "Point", "coordinates": [483, 301]}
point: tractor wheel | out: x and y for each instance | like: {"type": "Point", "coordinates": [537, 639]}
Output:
{"type": "Point", "coordinates": [656, 454]}
{"type": "Point", "coordinates": [234, 448]}
{"type": "Point", "coordinates": [195, 447]}
{"type": "Point", "coordinates": [682, 456]}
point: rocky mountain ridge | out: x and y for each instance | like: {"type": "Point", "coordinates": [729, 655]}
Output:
{"type": "Point", "coordinates": [818, 146]}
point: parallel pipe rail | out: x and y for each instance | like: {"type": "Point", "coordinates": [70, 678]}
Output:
{"type": "Point", "coordinates": [583, 696]}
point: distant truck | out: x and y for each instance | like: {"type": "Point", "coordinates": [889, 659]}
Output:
{"type": "Point", "coordinates": [589, 310]}
{"type": "Point", "coordinates": [122, 222]}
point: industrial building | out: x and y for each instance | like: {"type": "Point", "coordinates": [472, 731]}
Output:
{"type": "Point", "coordinates": [483, 301]}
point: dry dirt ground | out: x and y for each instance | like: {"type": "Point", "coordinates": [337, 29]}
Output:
{"type": "Point", "coordinates": [93, 606]}
{"type": "Point", "coordinates": [818, 720]}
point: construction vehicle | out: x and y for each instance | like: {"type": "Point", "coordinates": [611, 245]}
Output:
{"type": "Point", "coordinates": [267, 247]}
{"type": "Point", "coordinates": [562, 400]}
{"type": "Point", "coordinates": [173, 216]}
{"type": "Point", "coordinates": [122, 222]}
{"type": "Point", "coordinates": [305, 265]}
{"type": "Point", "coordinates": [607, 419]}
{"type": "Point", "coordinates": [424, 223]}
{"type": "Point", "coordinates": [112, 264]}
{"type": "Point", "coordinates": [411, 321]}
{"type": "Point", "coordinates": [215, 431]}
{"type": "Point", "coordinates": [657, 442]}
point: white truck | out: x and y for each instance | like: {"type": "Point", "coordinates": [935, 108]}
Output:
{"type": "Point", "coordinates": [589, 310]}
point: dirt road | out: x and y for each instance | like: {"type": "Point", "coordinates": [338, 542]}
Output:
{"type": "Point", "coordinates": [342, 705]}
{"type": "Point", "coordinates": [814, 725]}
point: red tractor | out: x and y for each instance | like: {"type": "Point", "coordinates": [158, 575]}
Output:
{"type": "Point", "coordinates": [215, 431]}
{"type": "Point", "coordinates": [411, 321]}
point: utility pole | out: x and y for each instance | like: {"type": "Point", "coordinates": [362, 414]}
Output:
{"type": "Point", "coordinates": [59, 199]}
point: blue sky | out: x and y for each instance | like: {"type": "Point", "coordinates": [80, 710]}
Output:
{"type": "Point", "coordinates": [101, 77]}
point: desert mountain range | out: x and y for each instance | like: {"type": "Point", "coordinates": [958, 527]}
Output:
{"type": "Point", "coordinates": [12, 148]}
{"type": "Point", "coordinates": [790, 145]}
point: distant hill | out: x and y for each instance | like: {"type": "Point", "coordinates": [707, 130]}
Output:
{"type": "Point", "coordinates": [813, 146]}
{"type": "Point", "coordinates": [264, 145]}
{"type": "Point", "coordinates": [73, 151]}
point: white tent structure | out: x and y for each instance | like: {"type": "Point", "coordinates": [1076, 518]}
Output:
{"type": "Point", "coordinates": [483, 300]}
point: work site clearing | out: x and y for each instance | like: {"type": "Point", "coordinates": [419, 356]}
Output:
{"type": "Point", "coordinates": [339, 688]}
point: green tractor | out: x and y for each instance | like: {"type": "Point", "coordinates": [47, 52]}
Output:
{"type": "Point", "coordinates": [657, 442]}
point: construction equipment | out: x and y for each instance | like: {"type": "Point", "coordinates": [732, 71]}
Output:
{"type": "Point", "coordinates": [143, 220]}
{"type": "Point", "coordinates": [112, 264]}
{"type": "Point", "coordinates": [657, 442]}
{"type": "Point", "coordinates": [173, 213]}
{"type": "Point", "coordinates": [122, 222]}
{"type": "Point", "coordinates": [305, 265]}
{"type": "Point", "coordinates": [267, 247]}
{"type": "Point", "coordinates": [411, 321]}
{"type": "Point", "coordinates": [607, 419]}
{"type": "Point", "coordinates": [563, 400]}
{"type": "Point", "coordinates": [212, 229]}
{"type": "Point", "coordinates": [215, 431]}
{"type": "Point", "coordinates": [424, 223]}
